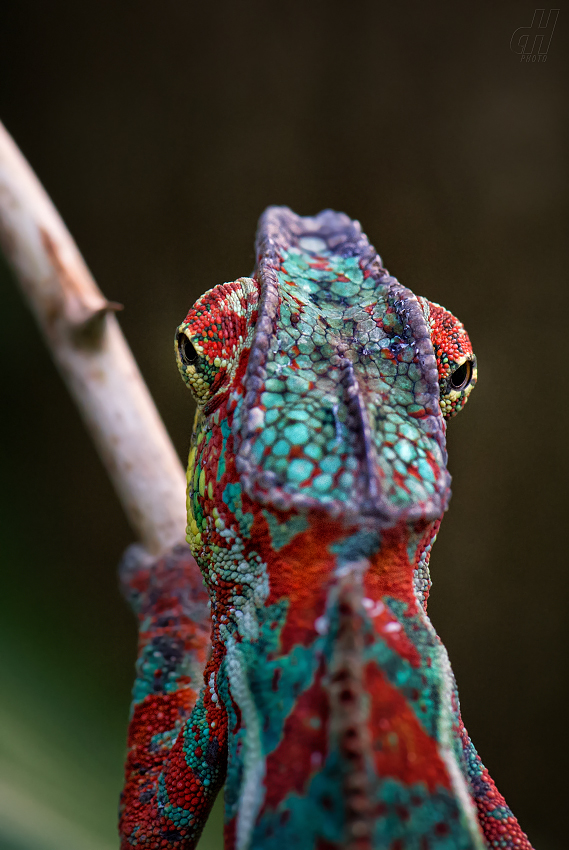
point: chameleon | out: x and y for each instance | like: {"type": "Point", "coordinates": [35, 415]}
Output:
{"type": "Point", "coordinates": [303, 674]}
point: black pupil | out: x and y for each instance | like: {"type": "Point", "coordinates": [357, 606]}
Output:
{"type": "Point", "coordinates": [461, 376]}
{"type": "Point", "coordinates": [187, 351]}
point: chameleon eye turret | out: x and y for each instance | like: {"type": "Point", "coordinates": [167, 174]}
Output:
{"type": "Point", "coordinates": [212, 337]}
{"type": "Point", "coordinates": [456, 363]}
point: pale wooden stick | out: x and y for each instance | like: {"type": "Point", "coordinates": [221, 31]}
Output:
{"type": "Point", "coordinates": [92, 355]}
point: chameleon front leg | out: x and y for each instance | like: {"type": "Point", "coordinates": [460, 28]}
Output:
{"type": "Point", "coordinates": [176, 758]}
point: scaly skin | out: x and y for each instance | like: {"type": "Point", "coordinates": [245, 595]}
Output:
{"type": "Point", "coordinates": [316, 484]}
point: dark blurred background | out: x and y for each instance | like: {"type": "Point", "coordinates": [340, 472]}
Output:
{"type": "Point", "coordinates": [161, 131]}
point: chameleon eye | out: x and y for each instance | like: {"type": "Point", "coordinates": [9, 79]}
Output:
{"type": "Point", "coordinates": [456, 388]}
{"type": "Point", "coordinates": [214, 338]}
{"type": "Point", "coordinates": [188, 354]}
{"type": "Point", "coordinates": [456, 363]}
{"type": "Point", "coordinates": [462, 376]}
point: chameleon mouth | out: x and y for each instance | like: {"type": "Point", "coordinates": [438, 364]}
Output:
{"type": "Point", "coordinates": [341, 409]}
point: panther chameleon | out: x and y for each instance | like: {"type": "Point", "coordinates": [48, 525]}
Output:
{"type": "Point", "coordinates": [312, 684]}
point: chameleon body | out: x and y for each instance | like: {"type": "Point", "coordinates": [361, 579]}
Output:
{"type": "Point", "coordinates": [317, 480]}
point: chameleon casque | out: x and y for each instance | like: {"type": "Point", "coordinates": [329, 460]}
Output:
{"type": "Point", "coordinates": [317, 481]}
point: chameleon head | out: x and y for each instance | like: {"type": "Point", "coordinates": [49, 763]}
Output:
{"type": "Point", "coordinates": [335, 380]}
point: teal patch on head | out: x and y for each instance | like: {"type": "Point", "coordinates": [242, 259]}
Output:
{"type": "Point", "coordinates": [331, 463]}
{"type": "Point", "coordinates": [344, 288]}
{"type": "Point", "coordinates": [271, 416]}
{"type": "Point", "coordinates": [299, 470]}
{"type": "Point", "coordinates": [299, 415]}
{"type": "Point", "coordinates": [258, 450]}
{"type": "Point", "coordinates": [297, 434]}
{"type": "Point", "coordinates": [270, 399]}
{"type": "Point", "coordinates": [313, 450]}
{"type": "Point", "coordinates": [323, 483]}
{"type": "Point", "coordinates": [281, 448]}
{"type": "Point", "coordinates": [297, 384]}
{"type": "Point", "coordinates": [274, 385]}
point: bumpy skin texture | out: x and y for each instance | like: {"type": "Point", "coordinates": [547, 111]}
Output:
{"type": "Point", "coordinates": [316, 484]}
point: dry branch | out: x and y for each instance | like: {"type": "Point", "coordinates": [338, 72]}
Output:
{"type": "Point", "coordinates": [92, 354]}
